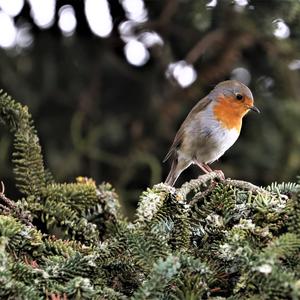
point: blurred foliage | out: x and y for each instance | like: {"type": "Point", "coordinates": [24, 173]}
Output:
{"type": "Point", "coordinates": [99, 116]}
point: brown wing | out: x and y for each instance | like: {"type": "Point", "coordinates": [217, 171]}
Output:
{"type": "Point", "coordinates": [180, 133]}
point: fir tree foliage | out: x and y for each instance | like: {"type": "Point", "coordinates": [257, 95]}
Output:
{"type": "Point", "coordinates": [209, 239]}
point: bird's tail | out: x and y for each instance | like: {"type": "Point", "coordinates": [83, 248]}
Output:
{"type": "Point", "coordinates": [172, 177]}
{"type": "Point", "coordinates": [177, 167]}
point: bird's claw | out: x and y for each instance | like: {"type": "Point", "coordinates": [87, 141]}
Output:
{"type": "Point", "coordinates": [220, 174]}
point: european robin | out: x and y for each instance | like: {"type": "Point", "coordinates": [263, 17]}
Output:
{"type": "Point", "coordinates": [211, 128]}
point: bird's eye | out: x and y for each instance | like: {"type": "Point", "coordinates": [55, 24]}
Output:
{"type": "Point", "coordinates": [239, 96]}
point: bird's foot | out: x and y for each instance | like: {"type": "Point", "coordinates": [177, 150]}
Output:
{"type": "Point", "coordinates": [220, 174]}
{"type": "Point", "coordinates": [207, 169]}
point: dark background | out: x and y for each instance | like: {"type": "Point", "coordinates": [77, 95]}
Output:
{"type": "Point", "coordinates": [100, 115]}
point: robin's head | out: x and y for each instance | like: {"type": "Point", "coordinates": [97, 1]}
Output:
{"type": "Point", "coordinates": [233, 100]}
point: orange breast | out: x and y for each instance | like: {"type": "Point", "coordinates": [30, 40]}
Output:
{"type": "Point", "coordinates": [229, 112]}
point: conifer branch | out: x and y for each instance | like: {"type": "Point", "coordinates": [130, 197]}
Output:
{"type": "Point", "coordinates": [27, 158]}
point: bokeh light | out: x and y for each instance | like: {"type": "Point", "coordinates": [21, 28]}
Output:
{"type": "Point", "coordinates": [12, 7]}
{"type": "Point", "coordinates": [282, 31]}
{"type": "Point", "coordinates": [126, 30]}
{"type": "Point", "coordinates": [135, 10]}
{"type": "Point", "coordinates": [212, 3]}
{"type": "Point", "coordinates": [266, 83]}
{"type": "Point", "coordinates": [136, 53]}
{"type": "Point", "coordinates": [294, 65]}
{"type": "Point", "coordinates": [98, 16]}
{"type": "Point", "coordinates": [43, 15]}
{"type": "Point", "coordinates": [241, 2]}
{"type": "Point", "coordinates": [24, 37]}
{"type": "Point", "coordinates": [67, 20]}
{"type": "Point", "coordinates": [150, 39]}
{"type": "Point", "coordinates": [241, 74]}
{"type": "Point", "coordinates": [183, 72]}
{"type": "Point", "coordinates": [8, 31]}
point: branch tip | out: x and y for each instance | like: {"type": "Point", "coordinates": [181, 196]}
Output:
{"type": "Point", "coordinates": [2, 188]}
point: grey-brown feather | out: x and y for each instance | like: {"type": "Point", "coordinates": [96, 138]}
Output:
{"type": "Point", "coordinates": [204, 102]}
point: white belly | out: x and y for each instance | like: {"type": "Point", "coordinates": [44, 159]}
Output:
{"type": "Point", "coordinates": [208, 140]}
{"type": "Point", "coordinates": [221, 142]}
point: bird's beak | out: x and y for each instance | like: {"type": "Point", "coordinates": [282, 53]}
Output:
{"type": "Point", "coordinates": [254, 108]}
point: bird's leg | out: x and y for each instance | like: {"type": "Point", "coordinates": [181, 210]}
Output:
{"type": "Point", "coordinates": [220, 172]}
{"type": "Point", "coordinates": [202, 167]}
{"type": "Point", "coordinates": [207, 169]}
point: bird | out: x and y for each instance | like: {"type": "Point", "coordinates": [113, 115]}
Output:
{"type": "Point", "coordinates": [210, 129]}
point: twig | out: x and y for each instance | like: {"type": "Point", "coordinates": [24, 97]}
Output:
{"type": "Point", "coordinates": [162, 23]}
{"type": "Point", "coordinates": [9, 206]}
{"type": "Point", "coordinates": [195, 184]}
{"type": "Point", "coordinates": [168, 12]}
{"type": "Point", "coordinates": [203, 194]}
{"type": "Point", "coordinates": [245, 185]}
{"type": "Point", "coordinates": [6, 201]}
{"type": "Point", "coordinates": [202, 180]}
{"type": "Point", "coordinates": [5, 208]}
{"type": "Point", "coordinates": [2, 188]}
{"type": "Point", "coordinates": [198, 50]}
